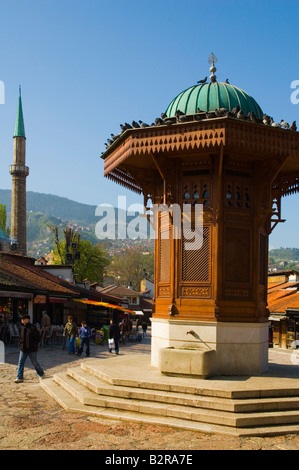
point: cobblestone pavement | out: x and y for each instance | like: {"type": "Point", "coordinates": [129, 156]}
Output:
{"type": "Point", "coordinates": [31, 420]}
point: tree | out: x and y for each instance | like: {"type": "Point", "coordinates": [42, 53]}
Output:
{"type": "Point", "coordinates": [130, 267]}
{"type": "Point", "coordinates": [92, 263]}
{"type": "Point", "coordinates": [4, 230]}
{"type": "Point", "coordinates": [89, 261]}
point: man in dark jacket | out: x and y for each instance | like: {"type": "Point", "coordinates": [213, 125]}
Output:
{"type": "Point", "coordinates": [29, 339]}
{"type": "Point", "coordinates": [114, 335]}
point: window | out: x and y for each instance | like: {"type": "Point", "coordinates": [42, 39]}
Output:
{"type": "Point", "coordinates": [237, 195]}
{"type": "Point", "coordinates": [196, 191]}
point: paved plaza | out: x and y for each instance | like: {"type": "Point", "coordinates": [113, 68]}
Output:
{"type": "Point", "coordinates": [31, 419]}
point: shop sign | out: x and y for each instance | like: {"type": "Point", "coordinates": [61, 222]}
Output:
{"type": "Point", "coordinates": [40, 299]}
{"type": "Point", "coordinates": [57, 300]}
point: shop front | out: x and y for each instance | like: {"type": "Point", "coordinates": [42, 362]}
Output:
{"type": "Point", "coordinates": [14, 304]}
{"type": "Point", "coordinates": [54, 307]}
{"type": "Point", "coordinates": [278, 327]}
{"type": "Point", "coordinates": [292, 328]}
{"type": "Point", "coordinates": [285, 329]}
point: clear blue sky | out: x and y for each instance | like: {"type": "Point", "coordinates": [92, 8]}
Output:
{"type": "Point", "coordinates": [86, 67]}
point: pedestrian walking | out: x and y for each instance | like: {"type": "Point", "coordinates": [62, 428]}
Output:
{"type": "Point", "coordinates": [29, 339]}
{"type": "Point", "coordinates": [84, 335]}
{"type": "Point", "coordinates": [144, 328]}
{"type": "Point", "coordinates": [71, 332]}
{"type": "Point", "coordinates": [45, 325]}
{"type": "Point", "coordinates": [113, 336]}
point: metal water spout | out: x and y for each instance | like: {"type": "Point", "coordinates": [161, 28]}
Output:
{"type": "Point", "coordinates": [190, 332]}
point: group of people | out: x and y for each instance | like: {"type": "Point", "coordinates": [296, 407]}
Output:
{"type": "Point", "coordinates": [71, 332]}
{"type": "Point", "coordinates": [30, 338]}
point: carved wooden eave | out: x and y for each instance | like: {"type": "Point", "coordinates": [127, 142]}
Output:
{"type": "Point", "coordinates": [133, 149]}
{"type": "Point", "coordinates": [285, 184]}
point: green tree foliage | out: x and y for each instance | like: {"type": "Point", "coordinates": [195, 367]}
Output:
{"type": "Point", "coordinates": [130, 266]}
{"type": "Point", "coordinates": [284, 254]}
{"type": "Point", "coordinates": [92, 263]}
{"type": "Point", "coordinates": [89, 261]}
{"type": "Point", "coordinates": [285, 258]}
{"type": "Point", "coordinates": [4, 230]}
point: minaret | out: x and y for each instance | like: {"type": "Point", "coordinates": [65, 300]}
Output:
{"type": "Point", "coordinates": [19, 174]}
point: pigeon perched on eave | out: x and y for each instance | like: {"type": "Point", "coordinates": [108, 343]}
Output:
{"type": "Point", "coordinates": [221, 112]}
{"type": "Point", "coordinates": [125, 126]}
{"type": "Point", "coordinates": [143, 124]}
{"type": "Point", "coordinates": [135, 124]}
{"type": "Point", "coordinates": [209, 115]}
{"type": "Point", "coordinates": [241, 115]}
{"type": "Point", "coordinates": [159, 121]}
{"type": "Point", "coordinates": [168, 122]}
{"type": "Point", "coordinates": [252, 117]}
{"type": "Point", "coordinates": [273, 123]}
{"type": "Point", "coordinates": [203, 80]}
{"type": "Point", "coordinates": [293, 126]}
{"type": "Point", "coordinates": [181, 117]}
{"type": "Point", "coordinates": [226, 81]}
{"type": "Point", "coordinates": [235, 110]}
{"type": "Point", "coordinates": [284, 124]}
{"type": "Point", "coordinates": [266, 120]}
{"type": "Point", "coordinates": [109, 142]}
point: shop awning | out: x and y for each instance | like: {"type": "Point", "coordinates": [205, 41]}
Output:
{"type": "Point", "coordinates": [16, 295]}
{"type": "Point", "coordinates": [277, 317]}
{"type": "Point", "coordinates": [105, 304]}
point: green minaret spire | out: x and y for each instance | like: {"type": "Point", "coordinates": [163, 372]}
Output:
{"type": "Point", "coordinates": [19, 127]}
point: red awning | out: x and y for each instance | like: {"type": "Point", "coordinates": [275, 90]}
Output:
{"type": "Point", "coordinates": [105, 304]}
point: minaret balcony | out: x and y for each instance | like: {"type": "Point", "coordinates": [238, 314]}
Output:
{"type": "Point", "coordinates": [19, 170]}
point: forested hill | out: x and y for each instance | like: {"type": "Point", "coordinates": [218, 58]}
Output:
{"type": "Point", "coordinates": [288, 254]}
{"type": "Point", "coordinates": [54, 206]}
{"type": "Point", "coordinates": [44, 210]}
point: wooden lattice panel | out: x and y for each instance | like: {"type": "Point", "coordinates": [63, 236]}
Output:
{"type": "Point", "coordinates": [164, 260]}
{"type": "Point", "coordinates": [196, 263]}
{"type": "Point", "coordinates": [237, 255]}
{"type": "Point", "coordinates": [263, 258]}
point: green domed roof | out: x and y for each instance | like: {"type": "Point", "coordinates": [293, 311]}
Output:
{"type": "Point", "coordinates": [211, 96]}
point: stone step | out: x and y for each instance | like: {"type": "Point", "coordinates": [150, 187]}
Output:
{"type": "Point", "coordinates": [106, 375]}
{"type": "Point", "coordinates": [87, 397]}
{"type": "Point", "coordinates": [68, 402]}
{"type": "Point", "coordinates": [211, 416]}
{"type": "Point", "coordinates": [101, 387]}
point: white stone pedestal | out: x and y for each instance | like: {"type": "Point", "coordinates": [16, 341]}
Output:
{"type": "Point", "coordinates": [241, 348]}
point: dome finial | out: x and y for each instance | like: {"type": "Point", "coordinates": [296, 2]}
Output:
{"type": "Point", "coordinates": [212, 61]}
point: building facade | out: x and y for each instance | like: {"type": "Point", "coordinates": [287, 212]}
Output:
{"type": "Point", "coordinates": [283, 304]}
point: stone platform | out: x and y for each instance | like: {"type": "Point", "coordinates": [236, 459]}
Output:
{"type": "Point", "coordinates": [129, 388]}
